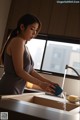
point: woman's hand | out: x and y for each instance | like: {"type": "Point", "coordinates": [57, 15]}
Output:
{"type": "Point", "coordinates": [48, 87]}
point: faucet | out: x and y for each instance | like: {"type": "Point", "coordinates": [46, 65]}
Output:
{"type": "Point", "coordinates": [67, 66]}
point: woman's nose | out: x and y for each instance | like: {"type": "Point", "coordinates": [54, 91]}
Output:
{"type": "Point", "coordinates": [34, 33]}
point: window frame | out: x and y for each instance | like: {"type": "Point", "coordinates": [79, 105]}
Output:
{"type": "Point", "coordinates": [57, 38]}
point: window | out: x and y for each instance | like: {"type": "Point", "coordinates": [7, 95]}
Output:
{"type": "Point", "coordinates": [36, 48]}
{"type": "Point", "coordinates": [53, 55]}
{"type": "Point", "coordinates": [59, 54]}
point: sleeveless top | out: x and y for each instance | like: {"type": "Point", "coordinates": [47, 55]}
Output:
{"type": "Point", "coordinates": [10, 82]}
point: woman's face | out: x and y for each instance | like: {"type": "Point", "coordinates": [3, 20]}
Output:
{"type": "Point", "coordinates": [30, 32]}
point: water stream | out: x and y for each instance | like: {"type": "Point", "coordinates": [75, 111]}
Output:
{"type": "Point", "coordinates": [64, 102]}
{"type": "Point", "coordinates": [64, 79]}
{"type": "Point", "coordinates": [63, 94]}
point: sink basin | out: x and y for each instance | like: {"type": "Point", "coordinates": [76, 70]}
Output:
{"type": "Point", "coordinates": [53, 103]}
{"type": "Point", "coordinates": [45, 100]}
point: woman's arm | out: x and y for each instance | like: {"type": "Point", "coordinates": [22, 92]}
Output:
{"type": "Point", "coordinates": [43, 79]}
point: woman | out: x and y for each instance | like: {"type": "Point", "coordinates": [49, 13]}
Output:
{"type": "Point", "coordinates": [17, 61]}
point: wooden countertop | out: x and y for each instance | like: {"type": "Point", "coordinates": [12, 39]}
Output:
{"type": "Point", "coordinates": [21, 110]}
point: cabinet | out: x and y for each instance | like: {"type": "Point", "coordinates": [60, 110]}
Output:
{"type": "Point", "coordinates": [73, 21]}
{"type": "Point", "coordinates": [57, 19]}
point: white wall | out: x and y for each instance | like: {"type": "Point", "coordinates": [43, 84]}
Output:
{"type": "Point", "coordinates": [4, 11]}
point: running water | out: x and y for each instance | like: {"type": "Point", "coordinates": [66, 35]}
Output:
{"type": "Point", "coordinates": [64, 102]}
{"type": "Point", "coordinates": [63, 95]}
{"type": "Point", "coordinates": [64, 79]}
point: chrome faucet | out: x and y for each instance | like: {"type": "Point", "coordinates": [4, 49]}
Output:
{"type": "Point", "coordinates": [67, 66]}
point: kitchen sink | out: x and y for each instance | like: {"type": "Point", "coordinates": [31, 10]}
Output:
{"type": "Point", "coordinates": [45, 100]}
{"type": "Point", "coordinates": [53, 103]}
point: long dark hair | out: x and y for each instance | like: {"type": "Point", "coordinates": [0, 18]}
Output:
{"type": "Point", "coordinates": [26, 20]}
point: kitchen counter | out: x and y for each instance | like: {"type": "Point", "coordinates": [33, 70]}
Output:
{"type": "Point", "coordinates": [19, 109]}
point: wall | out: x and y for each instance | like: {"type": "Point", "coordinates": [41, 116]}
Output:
{"type": "Point", "coordinates": [4, 11]}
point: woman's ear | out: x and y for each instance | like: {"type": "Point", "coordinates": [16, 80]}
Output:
{"type": "Point", "coordinates": [22, 27]}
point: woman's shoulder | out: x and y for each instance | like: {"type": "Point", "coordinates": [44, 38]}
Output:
{"type": "Point", "coordinates": [17, 40]}
{"type": "Point", "coordinates": [16, 43]}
